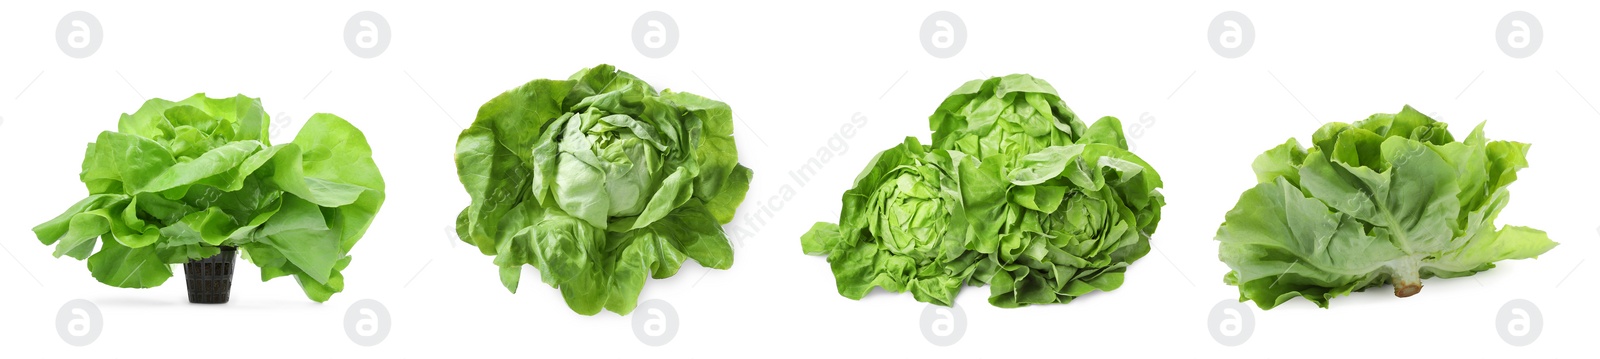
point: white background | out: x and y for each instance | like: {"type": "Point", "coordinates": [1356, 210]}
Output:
{"type": "Point", "coordinates": [794, 73]}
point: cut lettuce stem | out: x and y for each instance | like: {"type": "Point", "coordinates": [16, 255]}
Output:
{"type": "Point", "coordinates": [1406, 276]}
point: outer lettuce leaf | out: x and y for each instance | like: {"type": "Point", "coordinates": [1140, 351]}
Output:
{"type": "Point", "coordinates": [599, 181]}
{"type": "Point", "coordinates": [180, 179]}
{"type": "Point", "coordinates": [1394, 199]}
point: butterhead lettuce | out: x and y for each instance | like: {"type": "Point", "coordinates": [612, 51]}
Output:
{"type": "Point", "coordinates": [179, 179]}
{"type": "Point", "coordinates": [1004, 117]}
{"type": "Point", "coordinates": [902, 227]}
{"type": "Point", "coordinates": [1393, 199]}
{"type": "Point", "coordinates": [599, 182]}
{"type": "Point", "coordinates": [1015, 193]}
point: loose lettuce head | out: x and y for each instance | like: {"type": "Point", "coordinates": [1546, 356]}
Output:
{"type": "Point", "coordinates": [599, 181]}
{"type": "Point", "coordinates": [179, 179]}
{"type": "Point", "coordinates": [1016, 193]}
{"type": "Point", "coordinates": [1393, 200]}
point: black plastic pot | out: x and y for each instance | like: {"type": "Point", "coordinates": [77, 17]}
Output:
{"type": "Point", "coordinates": [211, 279]}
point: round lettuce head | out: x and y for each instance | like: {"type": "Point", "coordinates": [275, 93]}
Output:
{"type": "Point", "coordinates": [1069, 221]}
{"type": "Point", "coordinates": [1393, 200]}
{"type": "Point", "coordinates": [902, 227]}
{"type": "Point", "coordinates": [1009, 116]}
{"type": "Point", "coordinates": [179, 179]}
{"type": "Point", "coordinates": [600, 181]}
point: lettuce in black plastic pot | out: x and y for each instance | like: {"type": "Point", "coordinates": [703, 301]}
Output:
{"type": "Point", "coordinates": [177, 180]}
